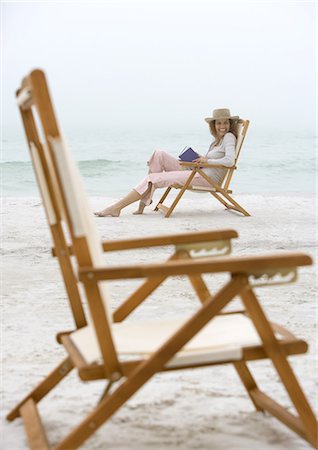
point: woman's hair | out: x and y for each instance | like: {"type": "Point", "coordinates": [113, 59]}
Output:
{"type": "Point", "coordinates": [233, 128]}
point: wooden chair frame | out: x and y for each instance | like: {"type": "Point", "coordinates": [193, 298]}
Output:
{"type": "Point", "coordinates": [39, 120]}
{"type": "Point", "coordinates": [219, 191]}
{"type": "Point", "coordinates": [126, 377]}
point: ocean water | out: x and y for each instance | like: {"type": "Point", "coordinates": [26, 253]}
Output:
{"type": "Point", "coordinates": [112, 163]}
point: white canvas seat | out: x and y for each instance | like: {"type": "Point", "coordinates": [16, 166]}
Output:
{"type": "Point", "coordinates": [202, 189]}
{"type": "Point", "coordinates": [222, 339]}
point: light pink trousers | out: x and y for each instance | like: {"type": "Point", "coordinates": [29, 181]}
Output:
{"type": "Point", "coordinates": [165, 170]}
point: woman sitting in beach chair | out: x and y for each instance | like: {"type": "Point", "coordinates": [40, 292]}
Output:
{"type": "Point", "coordinates": [165, 170]}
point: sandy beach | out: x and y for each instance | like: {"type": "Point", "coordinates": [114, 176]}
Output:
{"type": "Point", "coordinates": [194, 409]}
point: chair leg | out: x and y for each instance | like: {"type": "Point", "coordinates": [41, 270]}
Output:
{"type": "Point", "coordinates": [220, 191]}
{"type": "Point", "coordinates": [68, 274]}
{"type": "Point", "coordinates": [247, 380]}
{"type": "Point", "coordinates": [283, 415]}
{"type": "Point", "coordinates": [165, 194]}
{"type": "Point", "coordinates": [200, 288]}
{"type": "Point", "coordinates": [182, 191]}
{"type": "Point", "coordinates": [148, 368]}
{"type": "Point", "coordinates": [150, 285]}
{"type": "Point", "coordinates": [306, 420]}
{"type": "Point", "coordinates": [44, 387]}
{"type": "Point", "coordinates": [137, 297]}
{"type": "Point", "coordinates": [220, 199]}
{"type": "Point", "coordinates": [175, 202]}
{"type": "Point", "coordinates": [106, 391]}
{"type": "Point", "coordinates": [33, 426]}
{"type": "Point", "coordinates": [100, 414]}
{"type": "Point", "coordinates": [234, 205]}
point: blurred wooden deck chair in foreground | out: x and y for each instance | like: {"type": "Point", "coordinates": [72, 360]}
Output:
{"type": "Point", "coordinates": [220, 192]}
{"type": "Point", "coordinates": [39, 122]}
{"type": "Point", "coordinates": [129, 354]}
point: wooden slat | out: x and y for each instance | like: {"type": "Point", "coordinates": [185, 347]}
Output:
{"type": "Point", "coordinates": [138, 296]}
{"type": "Point", "coordinates": [234, 265]}
{"type": "Point", "coordinates": [294, 347]}
{"type": "Point", "coordinates": [233, 207]}
{"type": "Point", "coordinates": [274, 408]}
{"type": "Point", "coordinates": [92, 372]}
{"type": "Point", "coordinates": [74, 354]}
{"type": "Point", "coordinates": [201, 189]}
{"type": "Point", "coordinates": [24, 97]}
{"type": "Point", "coordinates": [181, 238]}
{"type": "Point", "coordinates": [44, 387]}
{"type": "Point", "coordinates": [69, 277]}
{"type": "Point", "coordinates": [153, 241]}
{"type": "Point", "coordinates": [281, 364]}
{"type": "Point", "coordinates": [202, 164]}
{"type": "Point", "coordinates": [247, 380]}
{"type": "Point", "coordinates": [33, 426]}
{"type": "Point", "coordinates": [60, 334]}
{"type": "Point", "coordinates": [219, 198]}
{"type": "Point", "coordinates": [162, 208]}
{"type": "Point", "coordinates": [164, 196]}
{"type": "Point", "coordinates": [283, 331]}
{"type": "Point", "coordinates": [200, 288]}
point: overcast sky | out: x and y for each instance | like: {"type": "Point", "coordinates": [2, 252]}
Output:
{"type": "Point", "coordinates": [165, 64]}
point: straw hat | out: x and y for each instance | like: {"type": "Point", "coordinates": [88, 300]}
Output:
{"type": "Point", "coordinates": [222, 113]}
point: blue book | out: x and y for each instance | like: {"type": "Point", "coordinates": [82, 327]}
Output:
{"type": "Point", "coordinates": [188, 154]}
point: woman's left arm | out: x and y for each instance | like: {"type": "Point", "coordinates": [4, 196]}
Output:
{"type": "Point", "coordinates": [228, 159]}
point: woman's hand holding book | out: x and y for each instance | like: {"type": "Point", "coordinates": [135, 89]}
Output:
{"type": "Point", "coordinates": [201, 159]}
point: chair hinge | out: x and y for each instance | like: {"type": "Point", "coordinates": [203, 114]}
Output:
{"type": "Point", "coordinates": [273, 277]}
{"type": "Point", "coordinates": [206, 249]}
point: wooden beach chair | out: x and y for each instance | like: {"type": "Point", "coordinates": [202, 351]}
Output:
{"type": "Point", "coordinates": [39, 120]}
{"type": "Point", "coordinates": [220, 191]}
{"type": "Point", "coordinates": [128, 354]}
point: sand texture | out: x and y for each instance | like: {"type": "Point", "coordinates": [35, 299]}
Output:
{"type": "Point", "coordinates": [194, 409]}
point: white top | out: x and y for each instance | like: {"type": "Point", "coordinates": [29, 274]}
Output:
{"type": "Point", "coordinates": [223, 154]}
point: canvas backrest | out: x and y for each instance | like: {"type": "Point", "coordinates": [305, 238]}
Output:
{"type": "Point", "coordinates": [47, 182]}
{"type": "Point", "coordinates": [42, 180]}
{"type": "Point", "coordinates": [59, 180]}
{"type": "Point", "coordinates": [239, 138]}
{"type": "Point", "coordinates": [241, 129]}
{"type": "Point", "coordinates": [41, 160]}
{"type": "Point", "coordinates": [43, 185]}
{"type": "Point", "coordinates": [79, 210]}
{"type": "Point", "coordinates": [53, 161]}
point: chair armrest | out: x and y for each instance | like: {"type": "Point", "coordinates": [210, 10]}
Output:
{"type": "Point", "coordinates": [244, 265]}
{"type": "Point", "coordinates": [170, 239]}
{"type": "Point", "coordinates": [200, 165]}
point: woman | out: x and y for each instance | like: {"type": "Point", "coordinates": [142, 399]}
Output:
{"type": "Point", "coordinates": [165, 170]}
